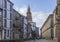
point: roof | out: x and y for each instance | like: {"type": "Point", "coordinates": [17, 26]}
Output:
{"type": "Point", "coordinates": [46, 20]}
{"type": "Point", "coordinates": [17, 12]}
{"type": "Point", "coordinates": [55, 9]}
{"type": "Point", "coordinates": [10, 2]}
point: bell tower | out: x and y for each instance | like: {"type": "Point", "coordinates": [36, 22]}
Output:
{"type": "Point", "coordinates": [29, 16]}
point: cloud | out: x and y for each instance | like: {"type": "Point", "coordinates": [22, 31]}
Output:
{"type": "Point", "coordinates": [38, 16]}
{"type": "Point", "coordinates": [23, 10]}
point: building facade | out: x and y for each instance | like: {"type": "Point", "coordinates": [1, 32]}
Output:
{"type": "Point", "coordinates": [29, 31]}
{"type": "Point", "coordinates": [47, 28]}
{"type": "Point", "coordinates": [56, 24]}
{"type": "Point", "coordinates": [13, 25]}
{"type": "Point", "coordinates": [29, 18]}
{"type": "Point", "coordinates": [33, 30]}
{"type": "Point", "coordinates": [31, 25]}
{"type": "Point", "coordinates": [37, 32]}
{"type": "Point", "coordinates": [25, 23]}
{"type": "Point", "coordinates": [6, 7]}
{"type": "Point", "coordinates": [56, 13]}
{"type": "Point", "coordinates": [18, 25]}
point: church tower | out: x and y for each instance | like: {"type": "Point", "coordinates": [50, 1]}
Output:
{"type": "Point", "coordinates": [29, 16]}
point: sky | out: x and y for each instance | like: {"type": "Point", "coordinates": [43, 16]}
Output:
{"type": "Point", "coordinates": [40, 9]}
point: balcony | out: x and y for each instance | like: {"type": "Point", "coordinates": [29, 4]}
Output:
{"type": "Point", "coordinates": [15, 25]}
{"type": "Point", "coordinates": [58, 17]}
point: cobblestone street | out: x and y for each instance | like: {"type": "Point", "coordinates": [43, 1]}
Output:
{"type": "Point", "coordinates": [40, 41]}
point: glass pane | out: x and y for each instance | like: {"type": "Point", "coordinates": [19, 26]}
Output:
{"type": "Point", "coordinates": [0, 13]}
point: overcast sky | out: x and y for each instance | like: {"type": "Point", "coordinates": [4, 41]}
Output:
{"type": "Point", "coordinates": [40, 9]}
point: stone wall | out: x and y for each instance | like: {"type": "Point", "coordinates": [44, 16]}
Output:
{"type": "Point", "coordinates": [47, 28]}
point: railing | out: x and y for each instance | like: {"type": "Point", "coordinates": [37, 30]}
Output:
{"type": "Point", "coordinates": [16, 25]}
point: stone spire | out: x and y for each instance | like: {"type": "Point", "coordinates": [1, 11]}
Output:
{"type": "Point", "coordinates": [29, 16]}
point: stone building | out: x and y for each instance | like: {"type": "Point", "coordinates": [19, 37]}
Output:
{"type": "Point", "coordinates": [29, 28]}
{"type": "Point", "coordinates": [56, 24]}
{"type": "Point", "coordinates": [33, 25]}
{"type": "Point", "coordinates": [25, 27]}
{"type": "Point", "coordinates": [37, 32]}
{"type": "Point", "coordinates": [47, 28]}
{"type": "Point", "coordinates": [0, 24]}
{"type": "Point", "coordinates": [56, 13]}
{"type": "Point", "coordinates": [29, 18]}
{"type": "Point", "coordinates": [6, 7]}
{"type": "Point", "coordinates": [13, 25]}
{"type": "Point", "coordinates": [17, 30]}
{"type": "Point", "coordinates": [16, 24]}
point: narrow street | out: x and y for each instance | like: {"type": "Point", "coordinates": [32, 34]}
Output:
{"type": "Point", "coordinates": [40, 41]}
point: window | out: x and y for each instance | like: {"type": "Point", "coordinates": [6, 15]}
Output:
{"type": "Point", "coordinates": [33, 27]}
{"type": "Point", "coordinates": [7, 33]}
{"type": "Point", "coordinates": [0, 13]}
{"type": "Point", "coordinates": [11, 24]}
{"type": "Point", "coordinates": [11, 7]}
{"type": "Point", "coordinates": [25, 20]}
{"type": "Point", "coordinates": [8, 23]}
{"type": "Point", "coordinates": [4, 22]}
